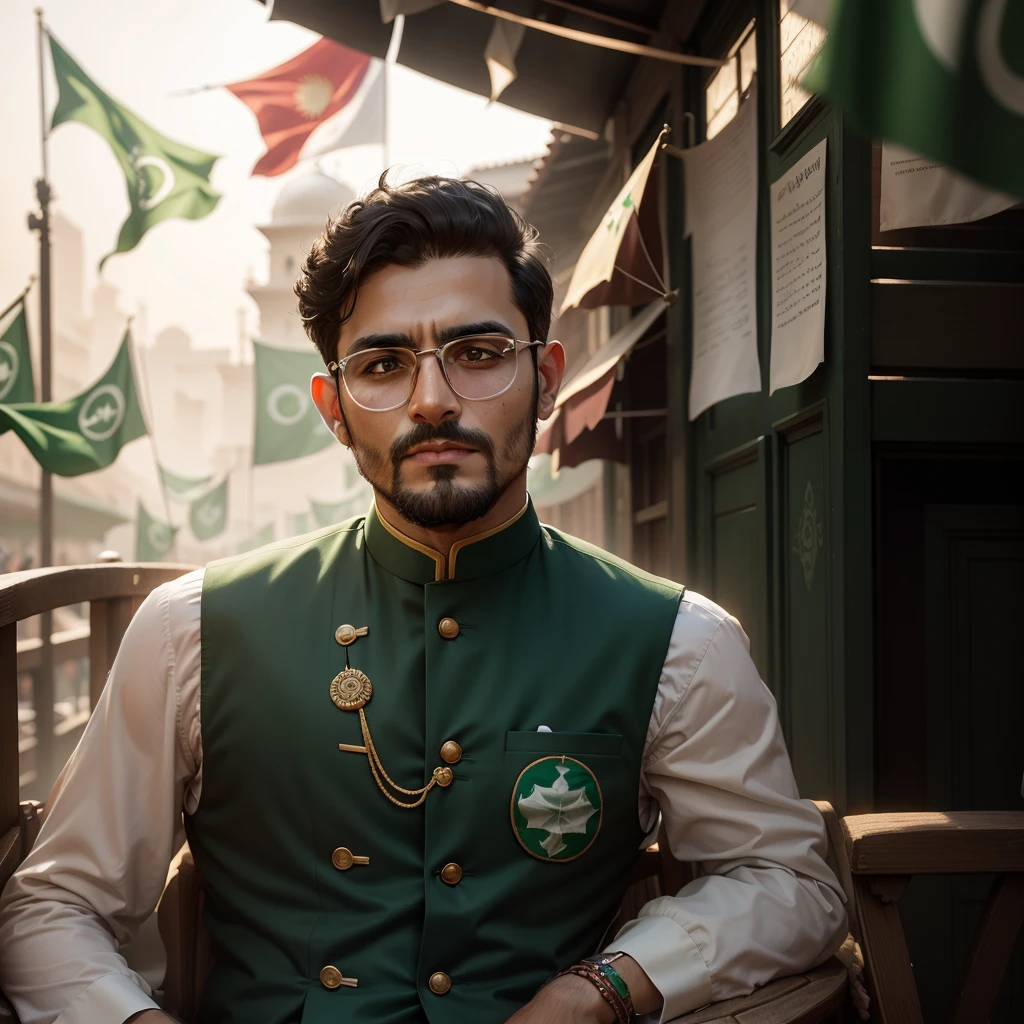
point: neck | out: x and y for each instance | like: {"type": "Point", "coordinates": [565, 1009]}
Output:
{"type": "Point", "coordinates": [442, 538]}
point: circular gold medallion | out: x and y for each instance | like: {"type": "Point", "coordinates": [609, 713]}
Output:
{"type": "Point", "coordinates": [345, 635]}
{"type": "Point", "coordinates": [351, 689]}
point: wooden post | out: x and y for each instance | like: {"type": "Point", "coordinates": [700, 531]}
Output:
{"type": "Point", "coordinates": [42, 688]}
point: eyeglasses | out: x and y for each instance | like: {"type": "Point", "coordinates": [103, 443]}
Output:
{"type": "Point", "coordinates": [476, 368]}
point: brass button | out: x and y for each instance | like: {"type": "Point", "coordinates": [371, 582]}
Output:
{"type": "Point", "coordinates": [439, 983]}
{"type": "Point", "coordinates": [343, 858]}
{"type": "Point", "coordinates": [443, 776]}
{"type": "Point", "coordinates": [448, 628]}
{"type": "Point", "coordinates": [330, 977]}
{"type": "Point", "coordinates": [451, 752]}
{"type": "Point", "coordinates": [347, 634]}
{"type": "Point", "coordinates": [451, 874]}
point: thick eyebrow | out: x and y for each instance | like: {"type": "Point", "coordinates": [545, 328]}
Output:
{"type": "Point", "coordinates": [445, 334]}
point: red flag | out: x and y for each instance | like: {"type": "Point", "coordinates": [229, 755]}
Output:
{"type": "Point", "coordinates": [291, 100]}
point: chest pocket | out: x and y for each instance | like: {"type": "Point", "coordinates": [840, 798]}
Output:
{"type": "Point", "coordinates": [563, 785]}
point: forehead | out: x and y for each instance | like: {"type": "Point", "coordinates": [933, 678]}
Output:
{"type": "Point", "coordinates": [441, 293]}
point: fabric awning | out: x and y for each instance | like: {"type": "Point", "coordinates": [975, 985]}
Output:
{"type": "Point", "coordinates": [559, 79]}
{"type": "Point", "coordinates": [584, 398]}
{"type": "Point", "coordinates": [622, 263]}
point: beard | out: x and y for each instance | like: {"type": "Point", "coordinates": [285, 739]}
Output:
{"type": "Point", "coordinates": [446, 502]}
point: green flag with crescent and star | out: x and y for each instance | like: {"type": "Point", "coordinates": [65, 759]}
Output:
{"type": "Point", "coordinates": [944, 78]}
{"type": "Point", "coordinates": [288, 425]}
{"type": "Point", "coordinates": [181, 488]}
{"type": "Point", "coordinates": [16, 384]}
{"type": "Point", "coordinates": [164, 178]}
{"type": "Point", "coordinates": [208, 514]}
{"type": "Point", "coordinates": [153, 539]}
{"type": "Point", "coordinates": [84, 433]}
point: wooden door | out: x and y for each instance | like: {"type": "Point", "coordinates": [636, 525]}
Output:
{"type": "Point", "coordinates": [950, 679]}
{"type": "Point", "coordinates": [778, 485]}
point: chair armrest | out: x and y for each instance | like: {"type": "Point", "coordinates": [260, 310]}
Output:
{"type": "Point", "coordinates": [954, 842]}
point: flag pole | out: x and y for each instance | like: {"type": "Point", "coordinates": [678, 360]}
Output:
{"type": "Point", "coordinates": [42, 692]}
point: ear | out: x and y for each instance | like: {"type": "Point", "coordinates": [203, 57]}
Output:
{"type": "Point", "coordinates": [550, 368]}
{"type": "Point", "coordinates": [325, 397]}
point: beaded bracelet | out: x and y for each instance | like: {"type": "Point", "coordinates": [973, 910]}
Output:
{"type": "Point", "coordinates": [623, 1007]}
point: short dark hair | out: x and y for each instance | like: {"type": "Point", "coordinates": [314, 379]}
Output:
{"type": "Point", "coordinates": [406, 225]}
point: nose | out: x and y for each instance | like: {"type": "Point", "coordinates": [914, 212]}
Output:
{"type": "Point", "coordinates": [432, 400]}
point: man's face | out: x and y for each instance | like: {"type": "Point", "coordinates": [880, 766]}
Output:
{"type": "Point", "coordinates": [441, 460]}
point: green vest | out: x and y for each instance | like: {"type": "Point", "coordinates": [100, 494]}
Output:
{"type": "Point", "coordinates": [499, 879]}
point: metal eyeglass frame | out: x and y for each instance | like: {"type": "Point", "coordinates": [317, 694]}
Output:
{"type": "Point", "coordinates": [337, 368]}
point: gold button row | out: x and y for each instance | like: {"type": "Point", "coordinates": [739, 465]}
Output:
{"type": "Point", "coordinates": [331, 977]}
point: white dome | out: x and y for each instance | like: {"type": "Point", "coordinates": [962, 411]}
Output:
{"type": "Point", "coordinates": [310, 198]}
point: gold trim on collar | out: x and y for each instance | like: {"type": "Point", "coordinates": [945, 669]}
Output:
{"type": "Point", "coordinates": [460, 544]}
{"type": "Point", "coordinates": [439, 559]}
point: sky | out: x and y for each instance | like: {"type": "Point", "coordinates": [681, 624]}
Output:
{"type": "Point", "coordinates": [192, 273]}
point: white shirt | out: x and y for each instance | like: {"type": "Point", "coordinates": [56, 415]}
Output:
{"type": "Point", "coordinates": [714, 762]}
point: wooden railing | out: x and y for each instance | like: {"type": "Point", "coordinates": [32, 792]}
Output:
{"type": "Point", "coordinates": [114, 592]}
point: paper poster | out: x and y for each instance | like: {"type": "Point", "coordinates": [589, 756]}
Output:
{"type": "Point", "coordinates": [797, 204]}
{"type": "Point", "coordinates": [721, 217]}
{"type": "Point", "coordinates": [917, 192]}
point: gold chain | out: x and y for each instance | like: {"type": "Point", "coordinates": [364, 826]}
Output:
{"type": "Point", "coordinates": [375, 764]}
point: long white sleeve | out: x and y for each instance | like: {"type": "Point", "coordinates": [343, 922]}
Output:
{"type": "Point", "coordinates": [716, 763]}
{"type": "Point", "coordinates": [99, 864]}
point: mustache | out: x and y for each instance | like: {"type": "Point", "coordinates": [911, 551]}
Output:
{"type": "Point", "coordinates": [450, 430]}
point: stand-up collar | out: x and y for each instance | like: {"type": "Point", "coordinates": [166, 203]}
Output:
{"type": "Point", "coordinates": [482, 555]}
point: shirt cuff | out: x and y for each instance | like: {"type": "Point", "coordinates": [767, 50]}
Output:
{"type": "Point", "coordinates": [111, 999]}
{"type": "Point", "coordinates": [671, 959]}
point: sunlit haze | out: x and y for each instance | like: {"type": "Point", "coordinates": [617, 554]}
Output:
{"type": "Point", "coordinates": [192, 273]}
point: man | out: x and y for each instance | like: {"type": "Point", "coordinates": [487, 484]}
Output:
{"type": "Point", "coordinates": [418, 753]}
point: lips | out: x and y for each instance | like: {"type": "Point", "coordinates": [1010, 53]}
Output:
{"type": "Point", "coordinates": [438, 453]}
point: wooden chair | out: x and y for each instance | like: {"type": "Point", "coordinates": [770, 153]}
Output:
{"type": "Point", "coordinates": [114, 593]}
{"type": "Point", "coordinates": [885, 851]}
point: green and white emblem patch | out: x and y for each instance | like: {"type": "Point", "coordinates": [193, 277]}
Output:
{"type": "Point", "coordinates": [556, 808]}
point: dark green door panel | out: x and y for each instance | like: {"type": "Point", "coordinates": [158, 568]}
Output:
{"type": "Point", "coordinates": [804, 564]}
{"type": "Point", "coordinates": [736, 571]}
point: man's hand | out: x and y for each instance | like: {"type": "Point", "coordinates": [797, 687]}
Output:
{"type": "Point", "coordinates": [573, 1000]}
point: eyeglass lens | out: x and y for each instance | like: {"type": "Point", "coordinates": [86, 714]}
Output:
{"type": "Point", "coordinates": [476, 368]}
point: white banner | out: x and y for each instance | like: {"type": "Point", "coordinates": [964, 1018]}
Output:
{"type": "Point", "coordinates": [918, 192]}
{"type": "Point", "coordinates": [797, 204]}
{"type": "Point", "coordinates": [721, 216]}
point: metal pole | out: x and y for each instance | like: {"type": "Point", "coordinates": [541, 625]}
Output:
{"type": "Point", "coordinates": [43, 683]}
